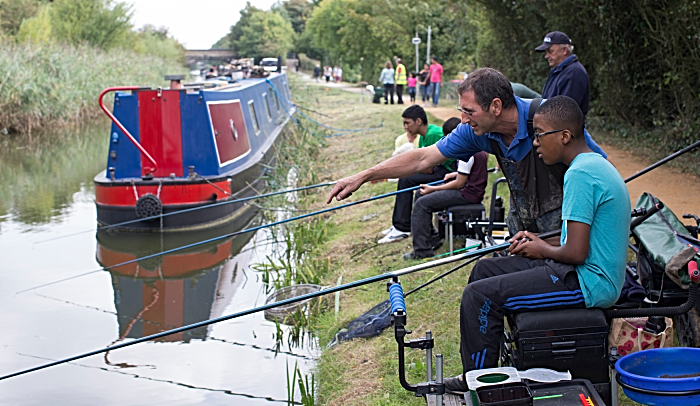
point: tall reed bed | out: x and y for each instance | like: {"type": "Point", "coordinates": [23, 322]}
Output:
{"type": "Point", "coordinates": [49, 84]}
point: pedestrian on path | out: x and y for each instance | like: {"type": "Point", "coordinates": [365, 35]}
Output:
{"type": "Point", "coordinates": [327, 72]}
{"type": "Point", "coordinates": [317, 72]}
{"type": "Point", "coordinates": [424, 81]}
{"type": "Point", "coordinates": [435, 80]}
{"type": "Point", "coordinates": [400, 78]}
{"type": "Point", "coordinates": [387, 79]}
{"type": "Point", "coordinates": [412, 80]}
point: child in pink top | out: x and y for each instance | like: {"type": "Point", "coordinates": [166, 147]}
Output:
{"type": "Point", "coordinates": [412, 80]}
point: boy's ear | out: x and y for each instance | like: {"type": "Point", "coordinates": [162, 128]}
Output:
{"type": "Point", "coordinates": [566, 137]}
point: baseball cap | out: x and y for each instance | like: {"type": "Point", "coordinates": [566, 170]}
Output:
{"type": "Point", "coordinates": [554, 37]}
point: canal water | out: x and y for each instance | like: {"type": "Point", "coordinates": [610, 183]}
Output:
{"type": "Point", "coordinates": [48, 233]}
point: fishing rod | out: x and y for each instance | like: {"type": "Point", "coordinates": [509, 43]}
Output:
{"type": "Point", "coordinates": [244, 199]}
{"type": "Point", "coordinates": [260, 227]}
{"type": "Point", "coordinates": [362, 282]}
{"type": "Point", "coordinates": [663, 161]}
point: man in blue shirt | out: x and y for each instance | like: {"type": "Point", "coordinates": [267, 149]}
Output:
{"type": "Point", "coordinates": [567, 76]}
{"type": "Point", "coordinates": [494, 121]}
{"type": "Point", "coordinates": [586, 269]}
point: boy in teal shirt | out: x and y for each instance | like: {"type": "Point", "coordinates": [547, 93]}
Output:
{"type": "Point", "coordinates": [586, 268]}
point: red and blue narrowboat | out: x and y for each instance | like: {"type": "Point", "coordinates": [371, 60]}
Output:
{"type": "Point", "coordinates": [185, 147]}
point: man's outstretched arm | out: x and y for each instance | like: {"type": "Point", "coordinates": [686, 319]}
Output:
{"type": "Point", "coordinates": [400, 166]}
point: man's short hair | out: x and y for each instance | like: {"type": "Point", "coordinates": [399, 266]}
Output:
{"type": "Point", "coordinates": [488, 84]}
{"type": "Point", "coordinates": [564, 113]}
{"type": "Point", "coordinates": [450, 125]}
{"type": "Point", "coordinates": [435, 58]}
{"type": "Point", "coordinates": [415, 112]}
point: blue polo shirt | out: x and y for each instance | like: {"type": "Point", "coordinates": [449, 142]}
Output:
{"type": "Point", "coordinates": [462, 143]}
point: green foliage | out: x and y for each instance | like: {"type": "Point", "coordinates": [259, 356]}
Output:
{"type": "Point", "coordinates": [97, 22]}
{"type": "Point", "coordinates": [37, 29]}
{"type": "Point", "coordinates": [378, 30]}
{"type": "Point", "coordinates": [260, 34]}
{"type": "Point", "coordinates": [14, 12]}
{"type": "Point", "coordinates": [158, 42]}
{"type": "Point", "coordinates": [52, 83]}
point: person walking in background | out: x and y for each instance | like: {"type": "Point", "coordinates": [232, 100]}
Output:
{"type": "Point", "coordinates": [412, 80]}
{"type": "Point", "coordinates": [400, 78]}
{"type": "Point", "coordinates": [424, 82]}
{"type": "Point", "coordinates": [435, 80]}
{"type": "Point", "coordinates": [387, 79]}
{"type": "Point", "coordinates": [317, 72]}
{"type": "Point", "coordinates": [567, 76]}
{"type": "Point", "coordinates": [327, 72]}
{"type": "Point", "coordinates": [339, 76]}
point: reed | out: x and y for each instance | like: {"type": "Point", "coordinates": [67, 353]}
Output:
{"type": "Point", "coordinates": [51, 84]}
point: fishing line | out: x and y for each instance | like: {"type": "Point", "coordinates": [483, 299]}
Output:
{"type": "Point", "coordinates": [369, 199]}
{"type": "Point", "coordinates": [160, 216]}
{"type": "Point", "coordinates": [342, 131]}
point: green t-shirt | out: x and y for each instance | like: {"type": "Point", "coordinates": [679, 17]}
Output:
{"type": "Point", "coordinates": [432, 136]}
{"type": "Point", "coordinates": [595, 194]}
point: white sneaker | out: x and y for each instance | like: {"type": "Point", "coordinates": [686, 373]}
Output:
{"type": "Point", "coordinates": [394, 235]}
{"type": "Point", "coordinates": [387, 231]}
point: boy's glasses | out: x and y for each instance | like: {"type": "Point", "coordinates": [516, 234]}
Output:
{"type": "Point", "coordinates": [538, 135]}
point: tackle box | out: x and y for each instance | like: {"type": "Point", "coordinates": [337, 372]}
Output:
{"type": "Point", "coordinates": [507, 394]}
{"type": "Point", "coordinates": [574, 340]}
{"type": "Point", "coordinates": [565, 393]}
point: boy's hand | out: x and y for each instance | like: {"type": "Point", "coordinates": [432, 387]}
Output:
{"type": "Point", "coordinates": [427, 189]}
{"type": "Point", "coordinates": [528, 245]}
{"type": "Point", "coordinates": [450, 176]}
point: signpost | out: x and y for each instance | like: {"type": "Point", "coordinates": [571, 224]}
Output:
{"type": "Point", "coordinates": [416, 41]}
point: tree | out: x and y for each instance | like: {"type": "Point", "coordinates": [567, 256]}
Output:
{"type": "Point", "coordinates": [261, 34]}
{"type": "Point", "coordinates": [14, 12]}
{"type": "Point", "coordinates": [101, 23]}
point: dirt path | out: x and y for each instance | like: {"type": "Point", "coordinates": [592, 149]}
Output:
{"type": "Point", "coordinates": [677, 190]}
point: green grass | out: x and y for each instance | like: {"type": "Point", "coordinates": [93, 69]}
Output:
{"type": "Point", "coordinates": [364, 371]}
{"type": "Point", "coordinates": [50, 84]}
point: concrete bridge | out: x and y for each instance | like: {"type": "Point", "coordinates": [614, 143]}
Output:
{"type": "Point", "coordinates": [219, 55]}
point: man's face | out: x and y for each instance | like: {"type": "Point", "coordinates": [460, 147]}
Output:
{"type": "Point", "coordinates": [556, 54]}
{"type": "Point", "coordinates": [411, 126]}
{"type": "Point", "coordinates": [481, 121]}
{"type": "Point", "coordinates": [549, 147]}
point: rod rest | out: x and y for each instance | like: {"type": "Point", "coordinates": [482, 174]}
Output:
{"type": "Point", "coordinates": [398, 319]}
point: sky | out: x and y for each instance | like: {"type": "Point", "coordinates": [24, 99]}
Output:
{"type": "Point", "coordinates": [196, 25]}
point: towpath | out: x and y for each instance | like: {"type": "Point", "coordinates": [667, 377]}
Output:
{"type": "Point", "coordinates": [677, 190]}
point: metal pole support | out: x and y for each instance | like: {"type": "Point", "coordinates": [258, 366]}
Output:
{"type": "Point", "coordinates": [450, 231]}
{"type": "Point", "coordinates": [429, 357]}
{"type": "Point", "coordinates": [438, 378]}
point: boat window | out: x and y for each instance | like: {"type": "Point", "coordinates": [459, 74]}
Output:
{"type": "Point", "coordinates": [274, 97]}
{"type": "Point", "coordinates": [254, 117]}
{"type": "Point", "coordinates": [267, 107]}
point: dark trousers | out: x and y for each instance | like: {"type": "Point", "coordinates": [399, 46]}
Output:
{"type": "Point", "coordinates": [403, 205]}
{"type": "Point", "coordinates": [388, 93]}
{"type": "Point", "coordinates": [425, 236]}
{"type": "Point", "coordinates": [399, 93]}
{"type": "Point", "coordinates": [504, 285]}
{"type": "Point", "coordinates": [412, 93]}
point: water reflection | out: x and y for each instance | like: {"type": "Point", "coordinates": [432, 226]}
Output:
{"type": "Point", "coordinates": [176, 289]}
{"type": "Point", "coordinates": [39, 178]}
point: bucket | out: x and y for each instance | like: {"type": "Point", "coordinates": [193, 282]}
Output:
{"type": "Point", "coordinates": [659, 377]}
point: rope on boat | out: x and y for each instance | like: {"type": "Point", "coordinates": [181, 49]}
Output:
{"type": "Point", "coordinates": [342, 131]}
{"type": "Point", "coordinates": [260, 227]}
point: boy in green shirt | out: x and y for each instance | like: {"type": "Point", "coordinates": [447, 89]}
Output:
{"type": "Point", "coordinates": [415, 122]}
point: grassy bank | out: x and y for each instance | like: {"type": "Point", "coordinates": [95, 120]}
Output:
{"type": "Point", "coordinates": [364, 371]}
{"type": "Point", "coordinates": [50, 84]}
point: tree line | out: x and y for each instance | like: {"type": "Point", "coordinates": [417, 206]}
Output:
{"type": "Point", "coordinates": [104, 24]}
{"type": "Point", "coordinates": [642, 56]}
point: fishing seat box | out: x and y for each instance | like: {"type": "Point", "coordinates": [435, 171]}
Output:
{"type": "Point", "coordinates": [574, 340]}
{"type": "Point", "coordinates": [460, 216]}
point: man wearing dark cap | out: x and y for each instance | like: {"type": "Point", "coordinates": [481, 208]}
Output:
{"type": "Point", "coordinates": [567, 76]}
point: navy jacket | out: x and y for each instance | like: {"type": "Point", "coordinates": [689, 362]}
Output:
{"type": "Point", "coordinates": [569, 79]}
